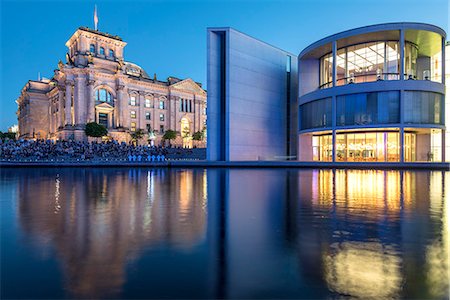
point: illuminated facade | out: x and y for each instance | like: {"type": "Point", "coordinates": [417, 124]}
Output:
{"type": "Point", "coordinates": [374, 94]}
{"type": "Point", "coordinates": [97, 85]}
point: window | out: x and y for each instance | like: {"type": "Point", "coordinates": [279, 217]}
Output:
{"type": "Point", "coordinates": [111, 53]}
{"type": "Point", "coordinates": [423, 107]}
{"type": "Point", "coordinates": [103, 119]}
{"type": "Point", "coordinates": [102, 51]}
{"type": "Point", "coordinates": [133, 100]}
{"type": "Point", "coordinates": [103, 95]}
{"type": "Point", "coordinates": [148, 102]}
{"type": "Point", "coordinates": [133, 126]}
{"type": "Point", "coordinates": [161, 117]}
{"type": "Point", "coordinates": [316, 114]}
{"type": "Point", "coordinates": [368, 108]}
{"type": "Point", "coordinates": [133, 114]}
{"type": "Point", "coordinates": [147, 116]}
{"type": "Point", "coordinates": [181, 105]}
{"type": "Point", "coordinates": [149, 127]}
{"type": "Point", "coordinates": [161, 129]}
{"type": "Point", "coordinates": [92, 48]}
{"type": "Point", "coordinates": [161, 104]}
{"type": "Point", "coordinates": [190, 105]}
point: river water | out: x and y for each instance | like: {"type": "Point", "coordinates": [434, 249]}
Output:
{"type": "Point", "coordinates": [224, 233]}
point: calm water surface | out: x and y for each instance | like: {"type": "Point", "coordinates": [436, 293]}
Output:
{"type": "Point", "coordinates": [195, 233]}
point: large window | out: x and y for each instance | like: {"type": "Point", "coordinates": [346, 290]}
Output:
{"type": "Point", "coordinates": [103, 95]}
{"type": "Point", "coordinates": [316, 114]}
{"type": "Point", "coordinates": [103, 119]}
{"type": "Point", "coordinates": [148, 102]}
{"type": "Point", "coordinates": [364, 63]}
{"type": "Point", "coordinates": [161, 104]}
{"type": "Point", "coordinates": [102, 51]}
{"type": "Point", "coordinates": [423, 107]}
{"type": "Point", "coordinates": [365, 146]}
{"type": "Point", "coordinates": [92, 48]}
{"type": "Point", "coordinates": [368, 108]}
{"type": "Point", "coordinates": [133, 100]}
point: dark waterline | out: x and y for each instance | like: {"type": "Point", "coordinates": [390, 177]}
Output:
{"type": "Point", "coordinates": [224, 233]}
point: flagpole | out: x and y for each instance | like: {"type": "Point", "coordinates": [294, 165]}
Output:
{"type": "Point", "coordinates": [95, 18]}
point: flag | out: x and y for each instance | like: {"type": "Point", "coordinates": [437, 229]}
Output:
{"type": "Point", "coordinates": [95, 18]}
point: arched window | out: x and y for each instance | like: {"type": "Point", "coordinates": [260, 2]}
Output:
{"type": "Point", "coordinates": [103, 95]}
{"type": "Point", "coordinates": [161, 104]}
{"type": "Point", "coordinates": [102, 51]}
{"type": "Point", "coordinates": [92, 48]}
{"type": "Point", "coordinates": [111, 53]}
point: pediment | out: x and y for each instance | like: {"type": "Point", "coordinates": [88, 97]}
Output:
{"type": "Point", "coordinates": [188, 85]}
{"type": "Point", "coordinates": [104, 106]}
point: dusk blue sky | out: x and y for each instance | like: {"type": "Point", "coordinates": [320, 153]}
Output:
{"type": "Point", "coordinates": [169, 37]}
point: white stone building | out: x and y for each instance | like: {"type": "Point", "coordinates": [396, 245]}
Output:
{"type": "Point", "coordinates": [96, 84]}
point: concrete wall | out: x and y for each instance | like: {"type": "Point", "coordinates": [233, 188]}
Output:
{"type": "Point", "coordinates": [248, 98]}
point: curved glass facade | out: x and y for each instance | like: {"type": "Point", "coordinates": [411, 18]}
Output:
{"type": "Point", "coordinates": [316, 114]}
{"type": "Point", "coordinates": [367, 62]}
{"type": "Point", "coordinates": [423, 108]}
{"type": "Point", "coordinates": [368, 108]}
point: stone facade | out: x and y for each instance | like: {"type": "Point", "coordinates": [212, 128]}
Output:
{"type": "Point", "coordinates": [97, 85]}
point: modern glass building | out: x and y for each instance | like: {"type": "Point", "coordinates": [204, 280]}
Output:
{"type": "Point", "coordinates": [374, 94]}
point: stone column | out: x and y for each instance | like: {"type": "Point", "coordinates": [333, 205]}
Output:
{"type": "Point", "coordinates": [140, 110]}
{"type": "Point", "coordinates": [118, 106]}
{"type": "Point", "coordinates": [124, 110]}
{"type": "Point", "coordinates": [90, 102]}
{"type": "Point", "coordinates": [67, 112]}
{"type": "Point", "coordinates": [60, 105]}
{"type": "Point", "coordinates": [79, 101]}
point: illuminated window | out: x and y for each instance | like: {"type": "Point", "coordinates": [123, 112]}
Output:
{"type": "Point", "coordinates": [102, 51]}
{"type": "Point", "coordinates": [147, 116]}
{"type": "Point", "coordinates": [111, 53]}
{"type": "Point", "coordinates": [92, 48]}
{"type": "Point", "coordinates": [161, 104]}
{"type": "Point", "coordinates": [103, 95]}
{"type": "Point", "coordinates": [103, 119]}
{"type": "Point", "coordinates": [133, 126]}
{"type": "Point", "coordinates": [161, 117]}
{"type": "Point", "coordinates": [133, 114]}
{"type": "Point", "coordinates": [133, 100]}
{"type": "Point", "coordinates": [148, 102]}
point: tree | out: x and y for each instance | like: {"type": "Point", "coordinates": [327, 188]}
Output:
{"type": "Point", "coordinates": [137, 135]}
{"type": "Point", "coordinates": [7, 135]}
{"type": "Point", "coordinates": [198, 136]}
{"type": "Point", "coordinates": [170, 135]}
{"type": "Point", "coordinates": [95, 130]}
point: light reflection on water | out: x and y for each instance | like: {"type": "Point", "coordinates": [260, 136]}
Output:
{"type": "Point", "coordinates": [158, 233]}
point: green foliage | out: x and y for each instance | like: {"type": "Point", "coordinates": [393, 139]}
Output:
{"type": "Point", "coordinates": [95, 130]}
{"type": "Point", "coordinates": [170, 135]}
{"type": "Point", "coordinates": [7, 135]}
{"type": "Point", "coordinates": [185, 132]}
{"type": "Point", "coordinates": [138, 134]}
{"type": "Point", "coordinates": [198, 136]}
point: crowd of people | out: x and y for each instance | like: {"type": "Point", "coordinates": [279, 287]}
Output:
{"type": "Point", "coordinates": [78, 150]}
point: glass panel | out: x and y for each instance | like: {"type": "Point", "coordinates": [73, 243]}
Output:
{"type": "Point", "coordinates": [326, 71]}
{"type": "Point", "coordinates": [103, 119]}
{"type": "Point", "coordinates": [393, 146]}
{"type": "Point", "coordinates": [423, 107]}
{"type": "Point", "coordinates": [316, 114]}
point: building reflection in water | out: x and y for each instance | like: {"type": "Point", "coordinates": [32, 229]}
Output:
{"type": "Point", "coordinates": [100, 220]}
{"type": "Point", "coordinates": [262, 233]}
{"type": "Point", "coordinates": [379, 226]}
